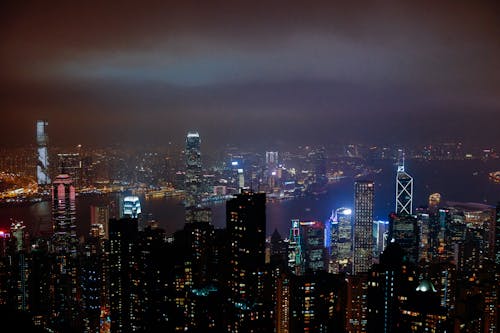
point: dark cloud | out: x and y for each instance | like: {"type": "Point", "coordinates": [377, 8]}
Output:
{"type": "Point", "coordinates": [147, 72]}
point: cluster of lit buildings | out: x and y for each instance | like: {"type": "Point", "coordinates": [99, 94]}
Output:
{"type": "Point", "coordinates": [432, 269]}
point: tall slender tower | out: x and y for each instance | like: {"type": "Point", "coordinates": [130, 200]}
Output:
{"type": "Point", "coordinates": [363, 226]}
{"type": "Point", "coordinates": [42, 167]}
{"type": "Point", "coordinates": [193, 170]}
{"type": "Point", "coordinates": [404, 188]}
{"type": "Point", "coordinates": [65, 307]}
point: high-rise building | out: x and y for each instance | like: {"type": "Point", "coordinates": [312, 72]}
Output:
{"type": "Point", "coordinates": [19, 266]}
{"type": "Point", "coordinates": [340, 242]}
{"type": "Point", "coordinates": [404, 188]}
{"type": "Point", "coordinates": [42, 167]}
{"type": "Point", "coordinates": [99, 217]}
{"type": "Point", "coordinates": [71, 164]}
{"type": "Point", "coordinates": [131, 207]}
{"type": "Point", "coordinates": [271, 159]}
{"type": "Point", "coordinates": [403, 230]}
{"type": "Point", "coordinates": [193, 180]}
{"type": "Point", "coordinates": [64, 241]}
{"type": "Point", "coordinates": [246, 228]}
{"type": "Point", "coordinates": [312, 244]}
{"type": "Point", "coordinates": [363, 226]}
{"type": "Point", "coordinates": [64, 209]}
{"type": "Point", "coordinates": [380, 234]}
{"type": "Point", "coordinates": [123, 262]}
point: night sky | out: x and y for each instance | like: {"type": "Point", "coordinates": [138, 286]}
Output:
{"type": "Point", "coordinates": [250, 72]}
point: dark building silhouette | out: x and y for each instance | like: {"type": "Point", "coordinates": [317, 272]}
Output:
{"type": "Point", "coordinates": [391, 284]}
{"type": "Point", "coordinates": [246, 230]}
{"type": "Point", "coordinates": [403, 230]}
{"type": "Point", "coordinates": [123, 270]}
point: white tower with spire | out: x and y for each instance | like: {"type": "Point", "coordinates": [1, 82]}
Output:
{"type": "Point", "coordinates": [404, 187]}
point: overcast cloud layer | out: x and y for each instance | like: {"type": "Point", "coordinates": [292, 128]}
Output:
{"type": "Point", "coordinates": [248, 72]}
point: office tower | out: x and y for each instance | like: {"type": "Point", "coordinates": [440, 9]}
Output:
{"type": "Point", "coordinates": [246, 228]}
{"type": "Point", "coordinates": [131, 207]}
{"type": "Point", "coordinates": [403, 230]}
{"type": "Point", "coordinates": [380, 234]}
{"type": "Point", "coordinates": [271, 159]}
{"type": "Point", "coordinates": [124, 284]}
{"type": "Point", "coordinates": [241, 179]}
{"type": "Point", "coordinates": [193, 180]}
{"type": "Point", "coordinates": [64, 242]}
{"type": "Point", "coordinates": [71, 164]}
{"type": "Point", "coordinates": [317, 159]}
{"type": "Point", "coordinates": [99, 217]}
{"type": "Point", "coordinates": [295, 256]}
{"type": "Point", "coordinates": [270, 170]}
{"type": "Point", "coordinates": [363, 225]}
{"type": "Point", "coordinates": [339, 241]}
{"type": "Point", "coordinates": [404, 188]}
{"type": "Point", "coordinates": [42, 167]}
{"type": "Point", "coordinates": [343, 217]}
{"type": "Point", "coordinates": [312, 243]}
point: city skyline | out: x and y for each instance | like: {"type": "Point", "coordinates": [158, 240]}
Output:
{"type": "Point", "coordinates": [387, 71]}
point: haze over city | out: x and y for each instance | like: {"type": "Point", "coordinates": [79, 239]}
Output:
{"type": "Point", "coordinates": [145, 73]}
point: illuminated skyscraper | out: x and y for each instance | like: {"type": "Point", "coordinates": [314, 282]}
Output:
{"type": "Point", "coordinates": [363, 226]}
{"type": "Point", "coordinates": [312, 246]}
{"type": "Point", "coordinates": [341, 241]}
{"type": "Point", "coordinates": [65, 307]}
{"type": "Point", "coordinates": [193, 181]}
{"type": "Point", "coordinates": [42, 167]}
{"type": "Point", "coordinates": [131, 207]}
{"type": "Point", "coordinates": [64, 213]}
{"type": "Point", "coordinates": [271, 159]}
{"type": "Point", "coordinates": [404, 188]}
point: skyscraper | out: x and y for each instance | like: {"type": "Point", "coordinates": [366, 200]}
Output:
{"type": "Point", "coordinates": [99, 219]}
{"type": "Point", "coordinates": [341, 241]}
{"type": "Point", "coordinates": [42, 167]}
{"type": "Point", "coordinates": [71, 164]}
{"type": "Point", "coordinates": [363, 225]}
{"type": "Point", "coordinates": [64, 214]}
{"type": "Point", "coordinates": [246, 228]}
{"type": "Point", "coordinates": [404, 188]}
{"type": "Point", "coordinates": [308, 246]}
{"type": "Point", "coordinates": [193, 180]}
{"type": "Point", "coordinates": [131, 206]}
{"type": "Point", "coordinates": [403, 229]}
{"type": "Point", "coordinates": [65, 310]}
{"type": "Point", "coordinates": [123, 259]}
